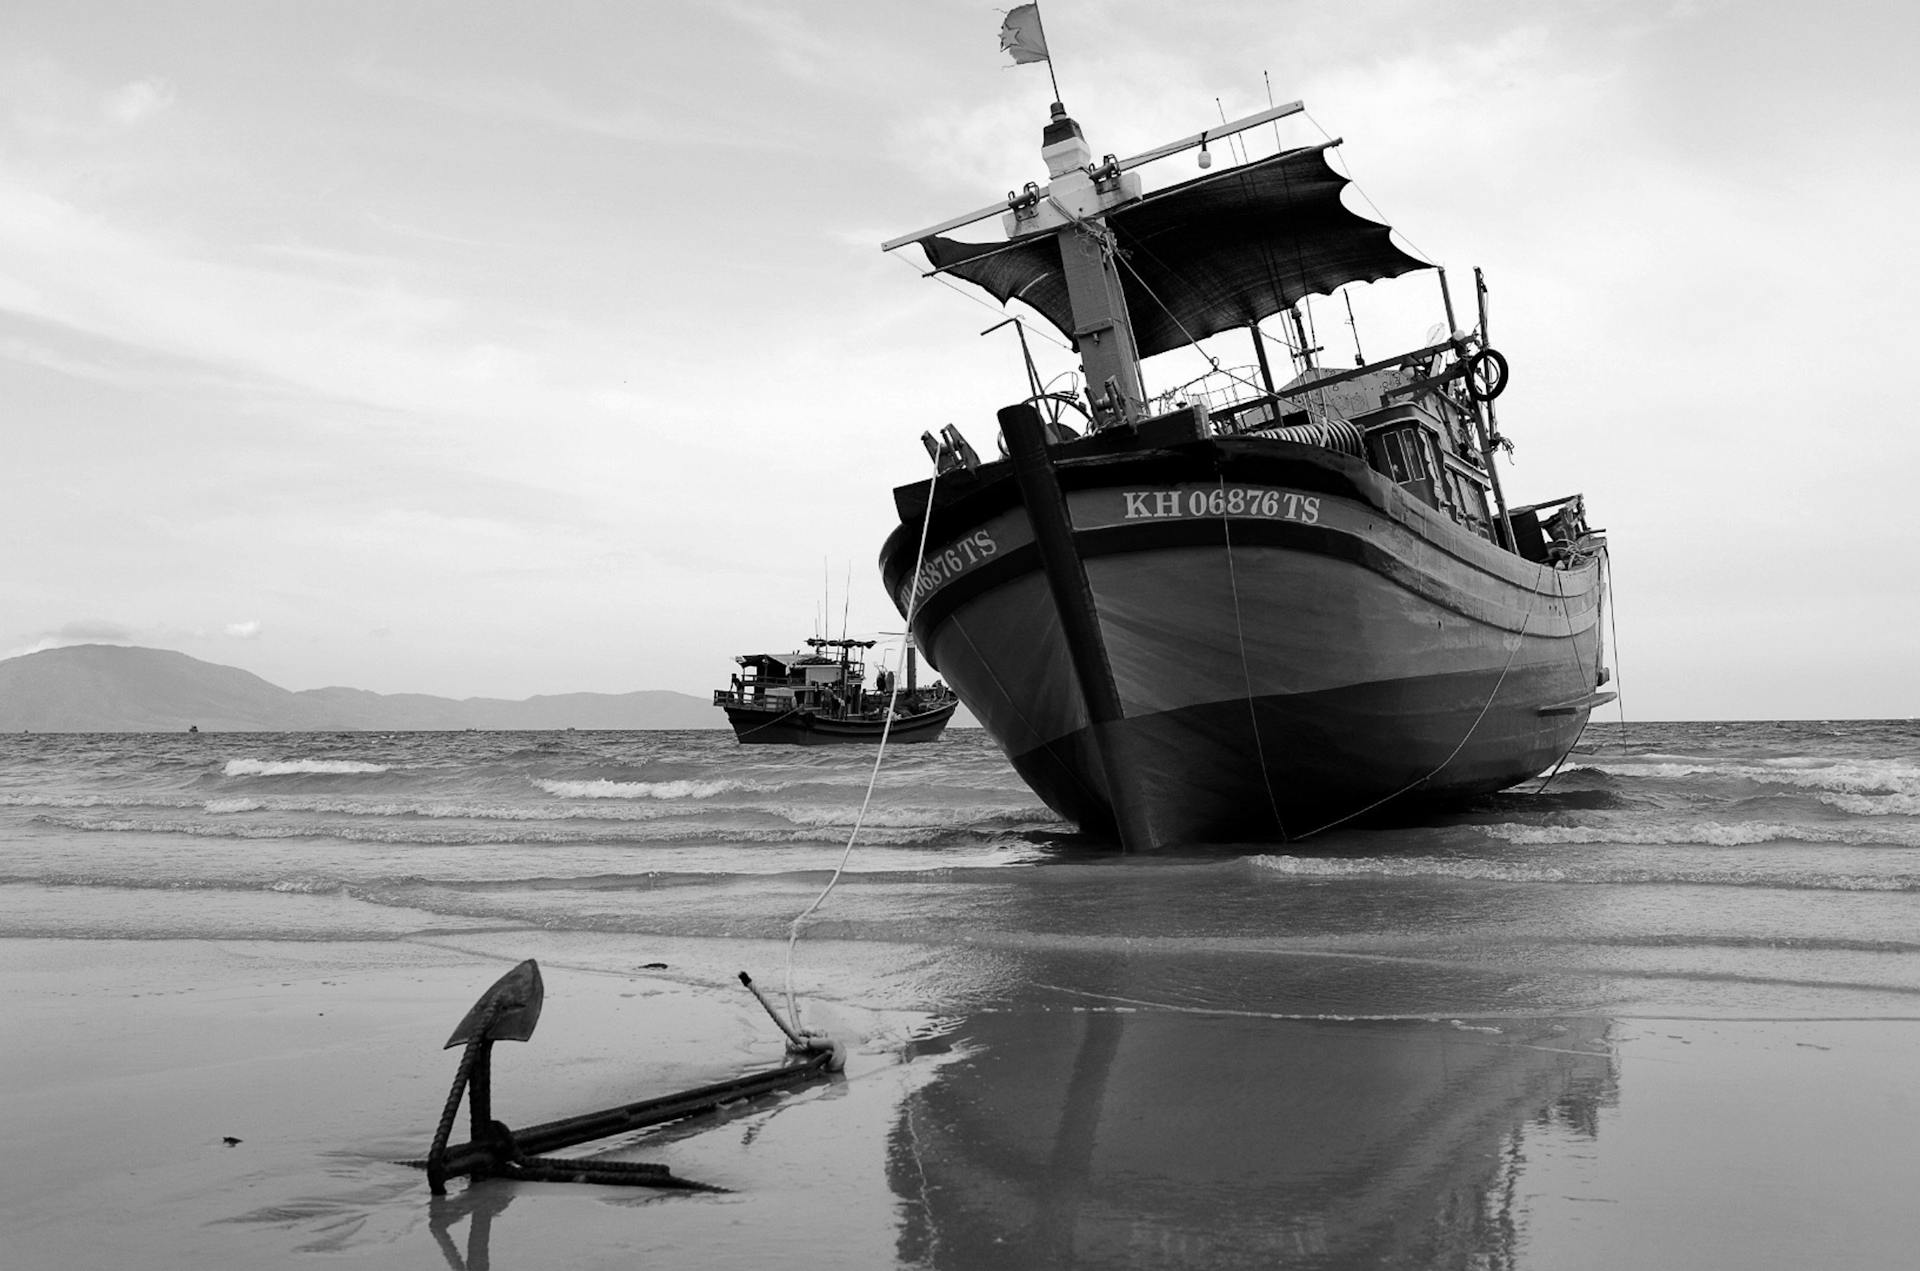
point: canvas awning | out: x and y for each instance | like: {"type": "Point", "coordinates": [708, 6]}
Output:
{"type": "Point", "coordinates": [1219, 252]}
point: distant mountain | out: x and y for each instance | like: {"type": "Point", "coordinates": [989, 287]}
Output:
{"type": "Point", "coordinates": [106, 688]}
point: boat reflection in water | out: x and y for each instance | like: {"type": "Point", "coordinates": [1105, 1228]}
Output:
{"type": "Point", "coordinates": [1104, 1138]}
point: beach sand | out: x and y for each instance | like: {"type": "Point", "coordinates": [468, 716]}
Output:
{"type": "Point", "coordinates": [1043, 1130]}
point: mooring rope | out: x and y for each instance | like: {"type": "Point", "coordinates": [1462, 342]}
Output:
{"type": "Point", "coordinates": [770, 723]}
{"type": "Point", "coordinates": [1611, 602]}
{"type": "Point", "coordinates": [1561, 588]}
{"type": "Point", "coordinates": [880, 752]}
{"type": "Point", "coordinates": [1246, 671]}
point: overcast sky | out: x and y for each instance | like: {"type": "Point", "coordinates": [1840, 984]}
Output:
{"type": "Point", "coordinates": [495, 349]}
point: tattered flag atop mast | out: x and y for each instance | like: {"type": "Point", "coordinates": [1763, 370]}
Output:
{"type": "Point", "coordinates": [1024, 40]}
{"type": "Point", "coordinates": [1021, 37]}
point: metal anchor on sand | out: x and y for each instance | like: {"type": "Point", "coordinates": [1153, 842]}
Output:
{"type": "Point", "coordinates": [508, 1012]}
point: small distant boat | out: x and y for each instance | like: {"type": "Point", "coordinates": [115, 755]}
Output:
{"type": "Point", "coordinates": [821, 698]}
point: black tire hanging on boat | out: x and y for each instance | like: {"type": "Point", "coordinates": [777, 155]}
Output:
{"type": "Point", "coordinates": [1483, 386]}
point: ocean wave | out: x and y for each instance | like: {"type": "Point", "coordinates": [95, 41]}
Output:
{"type": "Point", "coordinates": [1889, 778]}
{"type": "Point", "coordinates": [1874, 804]}
{"type": "Point", "coordinates": [1419, 867]}
{"type": "Point", "coordinates": [301, 767]}
{"type": "Point", "coordinates": [307, 885]}
{"type": "Point", "coordinates": [685, 789]}
{"type": "Point", "coordinates": [1707, 833]}
{"type": "Point", "coordinates": [964, 816]}
{"type": "Point", "coordinates": [90, 801]}
{"type": "Point", "coordinates": [636, 833]}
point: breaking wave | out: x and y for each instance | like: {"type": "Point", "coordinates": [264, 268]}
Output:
{"type": "Point", "coordinates": [604, 789]}
{"type": "Point", "coordinates": [300, 767]}
{"type": "Point", "coordinates": [1891, 778]}
{"type": "Point", "coordinates": [1422, 867]}
{"type": "Point", "coordinates": [1708, 834]}
{"type": "Point", "coordinates": [636, 833]}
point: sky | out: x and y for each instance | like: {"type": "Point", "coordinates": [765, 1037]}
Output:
{"type": "Point", "coordinates": [487, 349]}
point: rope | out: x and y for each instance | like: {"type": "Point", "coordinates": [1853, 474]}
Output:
{"type": "Point", "coordinates": [770, 723]}
{"type": "Point", "coordinates": [1532, 599]}
{"type": "Point", "coordinates": [880, 753]}
{"type": "Point", "coordinates": [1559, 585]}
{"type": "Point", "coordinates": [1355, 181]}
{"type": "Point", "coordinates": [1246, 672]}
{"type": "Point", "coordinates": [1613, 625]}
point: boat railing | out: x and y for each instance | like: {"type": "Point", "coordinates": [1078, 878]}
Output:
{"type": "Point", "coordinates": [1219, 391]}
{"type": "Point", "coordinates": [757, 695]}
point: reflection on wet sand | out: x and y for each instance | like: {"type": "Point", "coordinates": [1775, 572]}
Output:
{"type": "Point", "coordinates": [1103, 1138]}
{"type": "Point", "coordinates": [479, 1205]}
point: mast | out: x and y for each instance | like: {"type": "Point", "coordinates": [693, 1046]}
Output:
{"type": "Point", "coordinates": [1260, 351]}
{"type": "Point", "coordinates": [1073, 208]}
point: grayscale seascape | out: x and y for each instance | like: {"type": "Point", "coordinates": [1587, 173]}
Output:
{"type": "Point", "coordinates": [450, 450]}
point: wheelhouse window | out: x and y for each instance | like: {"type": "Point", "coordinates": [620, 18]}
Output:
{"type": "Point", "coordinates": [1404, 457]}
{"type": "Point", "coordinates": [1404, 452]}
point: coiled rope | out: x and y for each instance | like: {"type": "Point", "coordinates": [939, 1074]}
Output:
{"type": "Point", "coordinates": [880, 753]}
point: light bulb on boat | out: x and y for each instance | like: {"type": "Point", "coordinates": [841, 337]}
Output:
{"type": "Point", "coordinates": [1206, 156]}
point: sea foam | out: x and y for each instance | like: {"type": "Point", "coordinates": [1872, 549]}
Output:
{"type": "Point", "coordinates": [1577, 872]}
{"type": "Point", "coordinates": [604, 789]}
{"type": "Point", "coordinates": [1886, 778]}
{"type": "Point", "coordinates": [1707, 833]}
{"type": "Point", "coordinates": [299, 767]}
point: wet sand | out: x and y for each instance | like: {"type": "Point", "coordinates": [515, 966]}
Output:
{"type": "Point", "coordinates": [1042, 1128]}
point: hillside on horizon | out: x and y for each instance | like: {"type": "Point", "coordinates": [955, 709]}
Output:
{"type": "Point", "coordinates": [109, 688]}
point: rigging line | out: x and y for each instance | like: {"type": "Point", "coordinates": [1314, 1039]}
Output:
{"type": "Point", "coordinates": [1559, 585]}
{"type": "Point", "coordinates": [1191, 340]}
{"type": "Point", "coordinates": [1246, 671]}
{"type": "Point", "coordinates": [1532, 599]}
{"type": "Point", "coordinates": [770, 723]}
{"type": "Point", "coordinates": [1236, 144]}
{"type": "Point", "coordinates": [1613, 624]}
{"type": "Point", "coordinates": [989, 305]}
{"type": "Point", "coordinates": [880, 753]}
{"type": "Point", "coordinates": [1010, 698]}
{"type": "Point", "coordinates": [1355, 182]}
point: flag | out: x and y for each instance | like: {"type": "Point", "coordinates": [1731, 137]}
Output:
{"type": "Point", "coordinates": [1021, 37]}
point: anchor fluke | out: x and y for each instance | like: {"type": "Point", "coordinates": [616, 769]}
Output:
{"type": "Point", "coordinates": [506, 1012]}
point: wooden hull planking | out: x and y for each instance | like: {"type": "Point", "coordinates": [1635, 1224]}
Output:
{"type": "Point", "coordinates": [1278, 669]}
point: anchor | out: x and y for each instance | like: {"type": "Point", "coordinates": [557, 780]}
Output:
{"type": "Point", "coordinates": [508, 1012]}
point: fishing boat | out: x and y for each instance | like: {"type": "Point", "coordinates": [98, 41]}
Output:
{"type": "Point", "coordinates": [1234, 608]}
{"type": "Point", "coordinates": [819, 697]}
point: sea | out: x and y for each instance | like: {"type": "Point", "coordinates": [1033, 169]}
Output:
{"type": "Point", "coordinates": [1739, 870]}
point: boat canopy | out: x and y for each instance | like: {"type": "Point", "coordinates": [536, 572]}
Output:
{"type": "Point", "coordinates": [1212, 254]}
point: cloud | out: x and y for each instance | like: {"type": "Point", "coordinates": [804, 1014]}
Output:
{"type": "Point", "coordinates": [91, 629]}
{"type": "Point", "coordinates": [243, 630]}
{"type": "Point", "coordinates": [134, 103]}
{"type": "Point", "coordinates": [82, 631]}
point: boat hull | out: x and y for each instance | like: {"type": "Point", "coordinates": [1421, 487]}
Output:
{"type": "Point", "coordinates": [1294, 641]}
{"type": "Point", "coordinates": [759, 727]}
